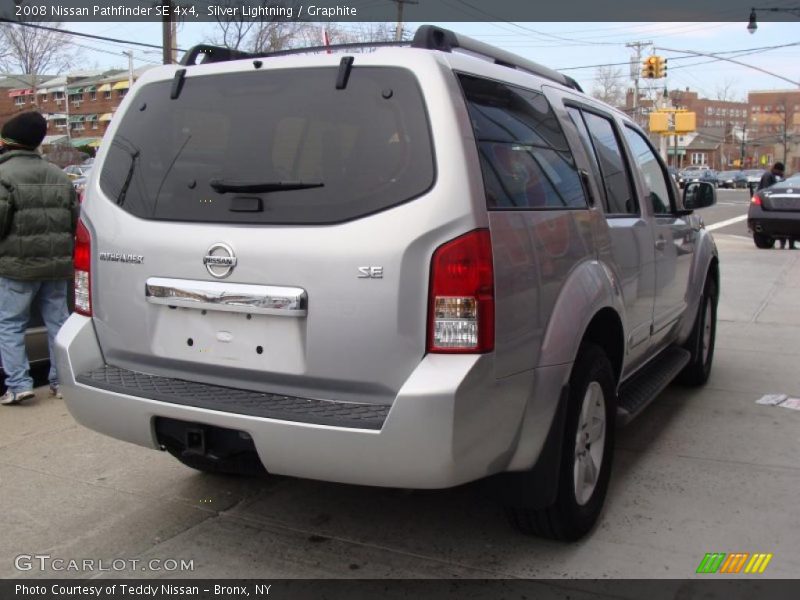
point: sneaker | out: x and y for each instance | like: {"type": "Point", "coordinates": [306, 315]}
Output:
{"type": "Point", "coordinates": [54, 391]}
{"type": "Point", "coordinates": [10, 397]}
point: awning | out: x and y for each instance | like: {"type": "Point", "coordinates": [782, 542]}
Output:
{"type": "Point", "coordinates": [106, 117]}
{"type": "Point", "coordinates": [91, 117]}
{"type": "Point", "coordinates": [75, 90]}
{"type": "Point", "coordinates": [76, 118]}
{"type": "Point", "coordinates": [85, 141]}
{"type": "Point", "coordinates": [91, 88]}
{"type": "Point", "coordinates": [54, 90]}
{"type": "Point", "coordinates": [95, 143]}
{"type": "Point", "coordinates": [15, 93]}
{"type": "Point", "coordinates": [121, 85]}
{"type": "Point", "coordinates": [55, 116]}
{"type": "Point", "coordinates": [43, 92]}
{"type": "Point", "coordinates": [54, 139]}
{"type": "Point", "coordinates": [106, 87]}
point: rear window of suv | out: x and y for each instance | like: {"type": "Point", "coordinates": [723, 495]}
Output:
{"type": "Point", "coordinates": [274, 146]}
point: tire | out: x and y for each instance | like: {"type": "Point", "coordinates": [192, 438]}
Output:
{"type": "Point", "coordinates": [763, 241]}
{"type": "Point", "coordinates": [578, 504]}
{"type": "Point", "coordinates": [701, 340]}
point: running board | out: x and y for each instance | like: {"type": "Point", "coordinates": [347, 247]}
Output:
{"type": "Point", "coordinates": [639, 391]}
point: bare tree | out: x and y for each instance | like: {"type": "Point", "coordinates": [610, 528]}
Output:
{"type": "Point", "coordinates": [263, 33]}
{"type": "Point", "coordinates": [34, 51]}
{"type": "Point", "coordinates": [726, 91]}
{"type": "Point", "coordinates": [609, 85]}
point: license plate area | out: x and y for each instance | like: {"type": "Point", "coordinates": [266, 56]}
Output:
{"type": "Point", "coordinates": [249, 341]}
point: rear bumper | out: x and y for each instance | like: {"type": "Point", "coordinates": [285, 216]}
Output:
{"type": "Point", "coordinates": [450, 423]}
{"type": "Point", "coordinates": [775, 224]}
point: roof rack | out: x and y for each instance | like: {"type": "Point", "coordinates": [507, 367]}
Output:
{"type": "Point", "coordinates": [221, 54]}
{"type": "Point", "coordinates": [428, 37]}
{"type": "Point", "coordinates": [431, 37]}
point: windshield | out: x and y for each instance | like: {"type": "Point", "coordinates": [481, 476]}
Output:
{"type": "Point", "coordinates": [279, 146]}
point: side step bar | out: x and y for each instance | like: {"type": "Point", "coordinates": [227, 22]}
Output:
{"type": "Point", "coordinates": [641, 389]}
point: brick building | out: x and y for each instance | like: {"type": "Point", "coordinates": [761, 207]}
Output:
{"type": "Point", "coordinates": [774, 128]}
{"type": "Point", "coordinates": [721, 125]}
{"type": "Point", "coordinates": [78, 106]}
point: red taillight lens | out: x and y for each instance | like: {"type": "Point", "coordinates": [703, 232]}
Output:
{"type": "Point", "coordinates": [461, 298]}
{"type": "Point", "coordinates": [82, 259]}
{"type": "Point", "coordinates": [756, 199]}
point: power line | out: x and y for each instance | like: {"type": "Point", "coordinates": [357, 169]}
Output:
{"type": "Point", "coordinates": [86, 35]}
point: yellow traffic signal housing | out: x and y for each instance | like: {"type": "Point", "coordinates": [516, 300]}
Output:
{"type": "Point", "coordinates": [649, 67]}
{"type": "Point", "coordinates": [685, 122]}
{"type": "Point", "coordinates": [659, 122]}
{"type": "Point", "coordinates": [662, 67]}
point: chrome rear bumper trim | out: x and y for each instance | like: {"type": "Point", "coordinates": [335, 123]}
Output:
{"type": "Point", "coordinates": [228, 297]}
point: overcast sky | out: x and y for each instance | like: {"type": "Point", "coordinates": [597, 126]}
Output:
{"type": "Point", "coordinates": [562, 46]}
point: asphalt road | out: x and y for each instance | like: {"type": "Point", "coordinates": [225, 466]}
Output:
{"type": "Point", "coordinates": [702, 470]}
{"type": "Point", "coordinates": [730, 205]}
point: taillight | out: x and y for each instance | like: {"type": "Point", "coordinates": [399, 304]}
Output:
{"type": "Point", "coordinates": [82, 260]}
{"type": "Point", "coordinates": [461, 298]}
{"type": "Point", "coordinates": [756, 199]}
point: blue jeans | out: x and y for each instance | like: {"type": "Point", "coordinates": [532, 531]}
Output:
{"type": "Point", "coordinates": [16, 298]}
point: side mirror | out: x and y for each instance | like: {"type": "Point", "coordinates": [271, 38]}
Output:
{"type": "Point", "coordinates": [699, 194]}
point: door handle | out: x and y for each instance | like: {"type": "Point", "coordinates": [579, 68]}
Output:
{"type": "Point", "coordinates": [661, 243]}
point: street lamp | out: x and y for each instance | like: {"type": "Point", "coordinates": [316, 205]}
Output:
{"type": "Point", "coordinates": [752, 24]}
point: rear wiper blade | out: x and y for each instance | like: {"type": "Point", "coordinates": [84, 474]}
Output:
{"type": "Point", "coordinates": [250, 187]}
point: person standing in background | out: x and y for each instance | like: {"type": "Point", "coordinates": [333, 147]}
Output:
{"type": "Point", "coordinates": [38, 218]}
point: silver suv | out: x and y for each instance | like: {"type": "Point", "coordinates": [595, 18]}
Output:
{"type": "Point", "coordinates": [416, 267]}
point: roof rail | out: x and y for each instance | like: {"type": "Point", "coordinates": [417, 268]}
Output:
{"type": "Point", "coordinates": [211, 54]}
{"type": "Point", "coordinates": [431, 37]}
{"type": "Point", "coordinates": [221, 54]}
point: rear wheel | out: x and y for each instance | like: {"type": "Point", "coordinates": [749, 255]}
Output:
{"type": "Point", "coordinates": [701, 340]}
{"type": "Point", "coordinates": [763, 241]}
{"type": "Point", "coordinates": [586, 454]}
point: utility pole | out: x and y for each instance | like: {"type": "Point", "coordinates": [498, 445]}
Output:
{"type": "Point", "coordinates": [129, 54]}
{"type": "Point", "coordinates": [399, 31]}
{"type": "Point", "coordinates": [638, 46]}
{"type": "Point", "coordinates": [167, 32]}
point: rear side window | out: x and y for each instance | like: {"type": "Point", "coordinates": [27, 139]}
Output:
{"type": "Point", "coordinates": [525, 160]}
{"type": "Point", "coordinates": [612, 165]}
{"type": "Point", "coordinates": [272, 146]}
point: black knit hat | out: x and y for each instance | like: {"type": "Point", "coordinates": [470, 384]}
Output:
{"type": "Point", "coordinates": [26, 130]}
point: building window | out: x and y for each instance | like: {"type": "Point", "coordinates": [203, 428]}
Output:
{"type": "Point", "coordinates": [122, 93]}
{"type": "Point", "coordinates": [92, 96]}
{"type": "Point", "coordinates": [95, 125]}
{"type": "Point", "coordinates": [107, 95]}
{"type": "Point", "coordinates": [19, 101]}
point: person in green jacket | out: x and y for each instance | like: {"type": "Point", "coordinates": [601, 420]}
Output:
{"type": "Point", "coordinates": [38, 217]}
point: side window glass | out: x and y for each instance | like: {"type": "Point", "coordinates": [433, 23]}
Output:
{"type": "Point", "coordinates": [656, 186]}
{"type": "Point", "coordinates": [525, 160]}
{"type": "Point", "coordinates": [577, 119]}
{"type": "Point", "coordinates": [612, 165]}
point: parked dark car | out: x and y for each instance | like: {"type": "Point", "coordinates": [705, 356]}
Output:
{"type": "Point", "coordinates": [697, 174]}
{"type": "Point", "coordinates": [774, 213]}
{"type": "Point", "coordinates": [732, 179]}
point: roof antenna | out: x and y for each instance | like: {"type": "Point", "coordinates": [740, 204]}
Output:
{"type": "Point", "coordinates": [345, 66]}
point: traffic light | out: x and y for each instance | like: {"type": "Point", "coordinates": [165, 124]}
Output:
{"type": "Point", "coordinates": [654, 67]}
{"type": "Point", "coordinates": [649, 67]}
{"type": "Point", "coordinates": [661, 67]}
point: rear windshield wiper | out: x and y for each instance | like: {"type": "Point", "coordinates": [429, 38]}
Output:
{"type": "Point", "coordinates": [249, 187]}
